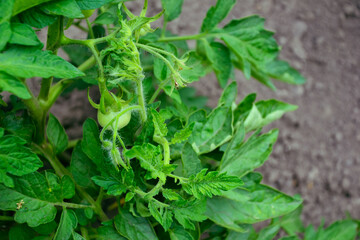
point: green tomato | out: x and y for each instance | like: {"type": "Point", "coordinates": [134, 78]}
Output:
{"type": "Point", "coordinates": [104, 119]}
{"type": "Point", "coordinates": [87, 13]}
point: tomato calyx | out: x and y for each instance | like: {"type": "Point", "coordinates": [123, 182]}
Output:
{"type": "Point", "coordinates": [112, 112]}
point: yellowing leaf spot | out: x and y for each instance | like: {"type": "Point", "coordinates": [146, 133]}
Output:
{"type": "Point", "coordinates": [50, 190]}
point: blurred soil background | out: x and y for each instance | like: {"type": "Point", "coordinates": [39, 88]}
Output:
{"type": "Point", "coordinates": [317, 153]}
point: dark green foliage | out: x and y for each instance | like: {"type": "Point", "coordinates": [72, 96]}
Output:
{"type": "Point", "coordinates": [163, 165]}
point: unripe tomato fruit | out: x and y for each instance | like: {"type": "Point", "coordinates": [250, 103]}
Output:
{"type": "Point", "coordinates": [88, 13]}
{"type": "Point", "coordinates": [104, 119]}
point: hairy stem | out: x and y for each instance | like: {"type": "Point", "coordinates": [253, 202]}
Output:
{"type": "Point", "coordinates": [141, 100]}
{"type": "Point", "coordinates": [158, 90]}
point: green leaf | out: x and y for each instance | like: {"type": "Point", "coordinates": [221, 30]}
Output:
{"type": "Point", "coordinates": [228, 97]}
{"type": "Point", "coordinates": [90, 144]}
{"type": "Point", "coordinates": [68, 187]}
{"type": "Point", "coordinates": [219, 57]}
{"type": "Point", "coordinates": [264, 112]}
{"type": "Point", "coordinates": [159, 124]}
{"type": "Point", "coordinates": [340, 230]}
{"type": "Point", "coordinates": [256, 46]}
{"type": "Point", "coordinates": [186, 212]}
{"type": "Point", "coordinates": [282, 71]}
{"type": "Point", "coordinates": [105, 18]}
{"type": "Point", "coordinates": [29, 62]}
{"type": "Point", "coordinates": [182, 135]}
{"type": "Point", "coordinates": [16, 159]}
{"type": "Point", "coordinates": [91, 4]}
{"type": "Point", "coordinates": [292, 223]}
{"type": "Point", "coordinates": [109, 233]}
{"type": "Point", "coordinates": [161, 71]}
{"type": "Point", "coordinates": [161, 214]}
{"type": "Point", "coordinates": [134, 228]}
{"type": "Point", "coordinates": [269, 232]}
{"type": "Point", "coordinates": [212, 183]}
{"type": "Point", "coordinates": [150, 158]}
{"type": "Point", "coordinates": [256, 51]}
{"type": "Point", "coordinates": [113, 186]}
{"type": "Point", "coordinates": [13, 85]}
{"type": "Point", "coordinates": [252, 203]}
{"type": "Point", "coordinates": [37, 194]}
{"type": "Point", "coordinates": [248, 233]}
{"type": "Point", "coordinates": [23, 34]}
{"type": "Point", "coordinates": [177, 232]}
{"type": "Point", "coordinates": [22, 5]}
{"type": "Point", "coordinates": [216, 14]}
{"type": "Point", "coordinates": [196, 69]}
{"type": "Point", "coordinates": [47, 228]}
{"type": "Point", "coordinates": [242, 157]}
{"type": "Point", "coordinates": [215, 130]}
{"type": "Point", "coordinates": [173, 93]}
{"type": "Point", "coordinates": [68, 222]}
{"type": "Point", "coordinates": [191, 163]}
{"type": "Point", "coordinates": [172, 8]}
{"type": "Point", "coordinates": [67, 8]}
{"type": "Point", "coordinates": [37, 18]}
{"type": "Point", "coordinates": [56, 134]}
{"type": "Point", "coordinates": [82, 168]}
{"type": "Point", "coordinates": [6, 7]}
{"type": "Point", "coordinates": [18, 124]}
{"type": "Point", "coordinates": [21, 232]}
{"type": "Point", "coordinates": [170, 194]}
{"type": "Point", "coordinates": [5, 30]}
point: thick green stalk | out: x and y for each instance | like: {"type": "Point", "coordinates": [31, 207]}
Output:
{"type": "Point", "coordinates": [37, 113]}
{"type": "Point", "coordinates": [141, 100]}
{"type": "Point", "coordinates": [91, 32]}
{"type": "Point", "coordinates": [158, 90]}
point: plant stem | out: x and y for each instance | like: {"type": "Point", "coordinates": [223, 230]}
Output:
{"type": "Point", "coordinates": [182, 38]}
{"type": "Point", "coordinates": [6, 218]}
{"type": "Point", "coordinates": [77, 24]}
{"type": "Point", "coordinates": [156, 54]}
{"type": "Point", "coordinates": [45, 88]}
{"type": "Point", "coordinates": [72, 143]}
{"type": "Point", "coordinates": [163, 30]}
{"type": "Point", "coordinates": [37, 113]}
{"type": "Point", "coordinates": [84, 233]}
{"type": "Point", "coordinates": [158, 90]}
{"type": "Point", "coordinates": [100, 196]}
{"type": "Point", "coordinates": [141, 100]}
{"type": "Point", "coordinates": [72, 205]}
{"type": "Point", "coordinates": [91, 32]}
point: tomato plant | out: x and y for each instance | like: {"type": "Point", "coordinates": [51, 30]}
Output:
{"type": "Point", "coordinates": [161, 165]}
